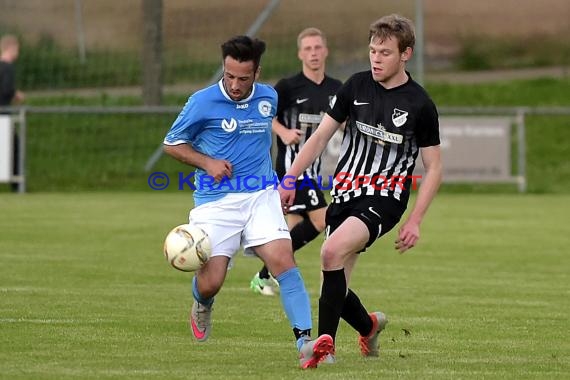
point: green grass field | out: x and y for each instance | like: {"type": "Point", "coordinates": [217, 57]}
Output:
{"type": "Point", "coordinates": [87, 294]}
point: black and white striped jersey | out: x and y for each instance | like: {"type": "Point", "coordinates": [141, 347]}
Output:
{"type": "Point", "coordinates": [384, 130]}
{"type": "Point", "coordinates": [301, 104]}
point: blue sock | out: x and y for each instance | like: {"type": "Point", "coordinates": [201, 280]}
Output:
{"type": "Point", "coordinates": [197, 296]}
{"type": "Point", "coordinates": [295, 300]}
{"type": "Point", "coordinates": [301, 341]}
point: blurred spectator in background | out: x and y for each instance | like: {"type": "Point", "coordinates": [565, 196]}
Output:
{"type": "Point", "coordinates": [9, 51]}
{"type": "Point", "coordinates": [9, 95]}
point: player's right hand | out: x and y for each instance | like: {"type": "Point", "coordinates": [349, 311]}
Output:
{"type": "Point", "coordinates": [291, 136]}
{"type": "Point", "coordinates": [218, 169]}
{"type": "Point", "coordinates": [286, 194]}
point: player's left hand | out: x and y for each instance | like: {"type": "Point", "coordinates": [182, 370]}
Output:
{"type": "Point", "coordinates": [408, 236]}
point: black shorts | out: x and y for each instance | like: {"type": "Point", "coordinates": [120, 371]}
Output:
{"type": "Point", "coordinates": [380, 214]}
{"type": "Point", "coordinates": [308, 197]}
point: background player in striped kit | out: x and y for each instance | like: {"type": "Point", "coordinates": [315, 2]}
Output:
{"type": "Point", "coordinates": [302, 100]}
{"type": "Point", "coordinates": [390, 120]}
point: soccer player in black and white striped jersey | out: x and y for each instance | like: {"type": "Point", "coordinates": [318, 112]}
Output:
{"type": "Point", "coordinates": [390, 120]}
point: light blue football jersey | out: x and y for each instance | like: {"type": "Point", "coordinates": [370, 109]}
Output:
{"type": "Point", "coordinates": [236, 131]}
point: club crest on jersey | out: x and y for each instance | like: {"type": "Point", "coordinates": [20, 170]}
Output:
{"type": "Point", "coordinates": [332, 101]}
{"type": "Point", "coordinates": [229, 126]}
{"type": "Point", "coordinates": [399, 117]}
{"type": "Point", "coordinates": [264, 108]}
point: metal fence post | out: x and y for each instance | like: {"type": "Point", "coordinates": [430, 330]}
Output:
{"type": "Point", "coordinates": [22, 150]}
{"type": "Point", "coordinates": [521, 150]}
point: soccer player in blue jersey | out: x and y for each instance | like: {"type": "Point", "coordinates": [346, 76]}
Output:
{"type": "Point", "coordinates": [224, 131]}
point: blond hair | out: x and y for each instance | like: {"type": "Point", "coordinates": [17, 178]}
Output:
{"type": "Point", "coordinates": [8, 41]}
{"type": "Point", "coordinates": [310, 32]}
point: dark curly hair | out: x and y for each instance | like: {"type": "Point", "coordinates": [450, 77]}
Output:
{"type": "Point", "coordinates": [244, 48]}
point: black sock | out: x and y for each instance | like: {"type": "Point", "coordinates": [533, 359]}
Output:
{"type": "Point", "coordinates": [356, 315]}
{"type": "Point", "coordinates": [303, 233]}
{"type": "Point", "coordinates": [331, 302]}
{"type": "Point", "coordinates": [264, 272]}
{"type": "Point", "coordinates": [299, 333]}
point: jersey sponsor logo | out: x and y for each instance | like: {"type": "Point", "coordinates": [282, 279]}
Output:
{"type": "Point", "coordinates": [357, 103]}
{"type": "Point", "coordinates": [310, 118]}
{"type": "Point", "coordinates": [299, 101]}
{"type": "Point", "coordinates": [264, 108]}
{"type": "Point", "coordinates": [242, 106]}
{"type": "Point", "coordinates": [379, 133]}
{"type": "Point", "coordinates": [399, 117]}
{"type": "Point", "coordinates": [251, 126]}
{"type": "Point", "coordinates": [229, 126]}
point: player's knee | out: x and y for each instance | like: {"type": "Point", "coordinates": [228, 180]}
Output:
{"type": "Point", "coordinates": [317, 219]}
{"type": "Point", "coordinates": [319, 225]}
{"type": "Point", "coordinates": [329, 255]}
{"type": "Point", "coordinates": [279, 262]}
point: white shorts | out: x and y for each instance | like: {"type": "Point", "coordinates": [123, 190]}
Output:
{"type": "Point", "coordinates": [241, 219]}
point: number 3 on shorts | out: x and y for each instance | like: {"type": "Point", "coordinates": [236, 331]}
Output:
{"type": "Point", "coordinates": [314, 199]}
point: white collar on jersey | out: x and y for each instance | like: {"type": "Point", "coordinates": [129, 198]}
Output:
{"type": "Point", "coordinates": [223, 90]}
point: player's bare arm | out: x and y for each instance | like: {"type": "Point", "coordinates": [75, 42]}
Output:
{"type": "Point", "coordinates": [288, 136]}
{"type": "Point", "coordinates": [409, 232]}
{"type": "Point", "coordinates": [184, 153]}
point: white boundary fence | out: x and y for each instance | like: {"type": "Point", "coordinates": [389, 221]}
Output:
{"type": "Point", "coordinates": [474, 131]}
{"type": "Point", "coordinates": [489, 127]}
